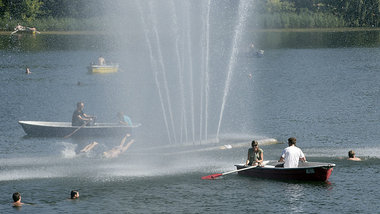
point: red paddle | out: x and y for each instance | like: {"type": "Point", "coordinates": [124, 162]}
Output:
{"type": "Point", "coordinates": [213, 176]}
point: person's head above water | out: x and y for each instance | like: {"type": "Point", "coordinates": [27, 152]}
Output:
{"type": "Point", "coordinates": [351, 154]}
{"type": "Point", "coordinates": [74, 194]}
{"type": "Point", "coordinates": [16, 196]}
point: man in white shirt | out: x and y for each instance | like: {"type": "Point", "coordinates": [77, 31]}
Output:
{"type": "Point", "coordinates": [292, 155]}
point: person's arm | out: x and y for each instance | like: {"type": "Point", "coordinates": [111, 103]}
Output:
{"type": "Point", "coordinates": [247, 161]}
{"type": "Point", "coordinates": [88, 116]}
{"type": "Point", "coordinates": [123, 122]}
{"type": "Point", "coordinates": [302, 158]}
{"type": "Point", "coordinates": [281, 159]}
{"type": "Point", "coordinates": [261, 158]}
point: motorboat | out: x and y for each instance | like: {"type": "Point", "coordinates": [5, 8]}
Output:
{"type": "Point", "coordinates": [103, 69]}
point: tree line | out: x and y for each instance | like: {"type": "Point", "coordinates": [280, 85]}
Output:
{"type": "Point", "coordinates": [319, 13]}
{"type": "Point", "coordinates": [270, 13]}
{"type": "Point", "coordinates": [29, 10]}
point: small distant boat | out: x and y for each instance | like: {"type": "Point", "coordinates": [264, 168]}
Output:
{"type": "Point", "coordinates": [62, 129]}
{"type": "Point", "coordinates": [306, 171]}
{"type": "Point", "coordinates": [103, 69]}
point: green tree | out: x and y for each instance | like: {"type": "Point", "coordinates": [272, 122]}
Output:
{"type": "Point", "coordinates": [32, 10]}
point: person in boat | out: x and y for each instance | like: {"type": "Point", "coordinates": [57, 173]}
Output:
{"type": "Point", "coordinates": [17, 199]}
{"type": "Point", "coordinates": [351, 156]}
{"type": "Point", "coordinates": [255, 155]}
{"type": "Point", "coordinates": [101, 61]}
{"type": "Point", "coordinates": [80, 118]}
{"type": "Point", "coordinates": [117, 150]}
{"type": "Point", "coordinates": [124, 119]}
{"type": "Point", "coordinates": [27, 71]}
{"type": "Point", "coordinates": [19, 27]}
{"type": "Point", "coordinates": [291, 155]}
{"type": "Point", "coordinates": [33, 29]}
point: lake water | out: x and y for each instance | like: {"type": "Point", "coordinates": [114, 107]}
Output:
{"type": "Point", "coordinates": [321, 87]}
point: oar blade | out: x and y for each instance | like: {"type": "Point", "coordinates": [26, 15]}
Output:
{"type": "Point", "coordinates": [211, 177]}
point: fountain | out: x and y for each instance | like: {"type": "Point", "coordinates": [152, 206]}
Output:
{"type": "Point", "coordinates": [178, 41]}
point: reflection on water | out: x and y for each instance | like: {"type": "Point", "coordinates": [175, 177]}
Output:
{"type": "Point", "coordinates": [295, 194]}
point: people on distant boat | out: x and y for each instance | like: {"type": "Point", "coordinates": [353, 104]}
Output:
{"type": "Point", "coordinates": [117, 150]}
{"type": "Point", "coordinates": [19, 27]}
{"type": "Point", "coordinates": [291, 155]}
{"type": "Point", "coordinates": [101, 61]}
{"type": "Point", "coordinates": [17, 199]}
{"type": "Point", "coordinates": [351, 156]}
{"type": "Point", "coordinates": [255, 155]}
{"type": "Point", "coordinates": [80, 118]}
{"type": "Point", "coordinates": [32, 29]}
{"type": "Point", "coordinates": [124, 119]}
{"type": "Point", "coordinates": [27, 71]}
{"type": "Point", "coordinates": [74, 194]}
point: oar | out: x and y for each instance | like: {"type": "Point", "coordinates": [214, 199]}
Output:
{"type": "Point", "coordinates": [211, 177]}
{"type": "Point", "coordinates": [69, 135]}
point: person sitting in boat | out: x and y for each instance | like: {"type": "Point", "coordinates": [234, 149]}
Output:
{"type": "Point", "coordinates": [255, 155]}
{"type": "Point", "coordinates": [292, 154]}
{"type": "Point", "coordinates": [101, 61]}
{"type": "Point", "coordinates": [117, 150]}
{"type": "Point", "coordinates": [19, 27]}
{"type": "Point", "coordinates": [80, 118]}
{"type": "Point", "coordinates": [351, 156]}
{"type": "Point", "coordinates": [17, 199]}
{"type": "Point", "coordinates": [124, 119]}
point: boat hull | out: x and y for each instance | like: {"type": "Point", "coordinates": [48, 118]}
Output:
{"type": "Point", "coordinates": [309, 171]}
{"type": "Point", "coordinates": [103, 69]}
{"type": "Point", "coordinates": [62, 129]}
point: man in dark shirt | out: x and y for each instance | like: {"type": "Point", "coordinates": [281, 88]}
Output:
{"type": "Point", "coordinates": [79, 117]}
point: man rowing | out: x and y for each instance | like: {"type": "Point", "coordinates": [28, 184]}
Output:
{"type": "Point", "coordinates": [80, 118]}
{"type": "Point", "coordinates": [291, 155]}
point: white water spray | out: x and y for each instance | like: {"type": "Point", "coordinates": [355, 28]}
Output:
{"type": "Point", "coordinates": [163, 69]}
{"type": "Point", "coordinates": [180, 68]}
{"type": "Point", "coordinates": [244, 7]}
{"type": "Point", "coordinates": [154, 69]}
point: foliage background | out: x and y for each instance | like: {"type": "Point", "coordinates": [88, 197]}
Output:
{"type": "Point", "coordinates": [69, 15]}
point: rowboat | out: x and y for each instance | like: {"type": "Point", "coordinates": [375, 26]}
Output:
{"type": "Point", "coordinates": [306, 171]}
{"type": "Point", "coordinates": [62, 129]}
{"type": "Point", "coordinates": [103, 69]}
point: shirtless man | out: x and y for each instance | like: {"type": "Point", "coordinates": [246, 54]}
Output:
{"type": "Point", "coordinates": [17, 199]}
{"type": "Point", "coordinates": [117, 150]}
{"type": "Point", "coordinates": [351, 156]}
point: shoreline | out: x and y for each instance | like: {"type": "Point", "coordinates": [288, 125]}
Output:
{"type": "Point", "coordinates": [343, 29]}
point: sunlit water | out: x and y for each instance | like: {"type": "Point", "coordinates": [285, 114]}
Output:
{"type": "Point", "coordinates": [325, 95]}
